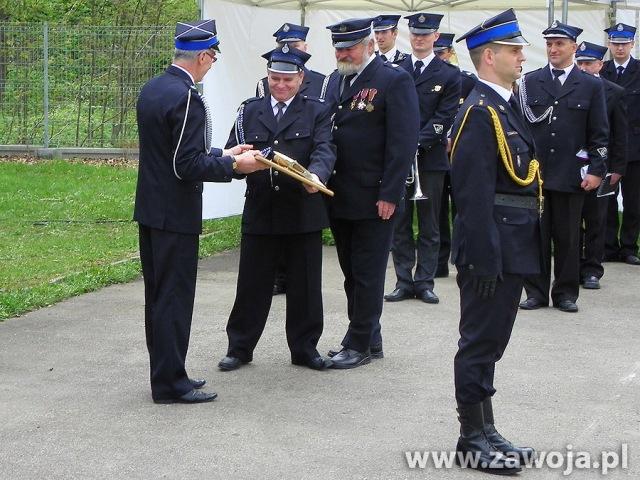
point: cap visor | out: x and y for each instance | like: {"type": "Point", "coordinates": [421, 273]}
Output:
{"type": "Point", "coordinates": [519, 40]}
{"type": "Point", "coordinates": [620, 40]}
{"type": "Point", "coordinates": [382, 28]}
{"type": "Point", "coordinates": [586, 59]}
{"type": "Point", "coordinates": [348, 43]}
{"type": "Point", "coordinates": [283, 67]}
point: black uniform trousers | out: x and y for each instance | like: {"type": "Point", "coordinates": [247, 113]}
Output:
{"type": "Point", "coordinates": [445, 225]}
{"type": "Point", "coordinates": [485, 329]}
{"type": "Point", "coordinates": [594, 219]}
{"type": "Point", "coordinates": [630, 228]}
{"type": "Point", "coordinates": [169, 268]}
{"type": "Point", "coordinates": [363, 252]}
{"type": "Point", "coordinates": [259, 258]}
{"type": "Point", "coordinates": [560, 224]}
{"type": "Point", "coordinates": [426, 247]}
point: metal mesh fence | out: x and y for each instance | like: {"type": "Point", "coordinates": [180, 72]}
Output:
{"type": "Point", "coordinates": [76, 86]}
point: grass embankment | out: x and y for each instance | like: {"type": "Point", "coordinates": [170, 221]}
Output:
{"type": "Point", "coordinates": [66, 229]}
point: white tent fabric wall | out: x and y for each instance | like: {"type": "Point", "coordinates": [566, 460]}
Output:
{"type": "Point", "coordinates": [245, 33]}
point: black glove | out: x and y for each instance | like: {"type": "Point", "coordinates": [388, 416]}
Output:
{"type": "Point", "coordinates": [485, 285]}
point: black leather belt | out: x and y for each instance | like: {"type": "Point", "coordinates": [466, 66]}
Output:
{"type": "Point", "coordinates": [516, 201]}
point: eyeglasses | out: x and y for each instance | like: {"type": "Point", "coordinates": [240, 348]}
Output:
{"type": "Point", "coordinates": [212, 54]}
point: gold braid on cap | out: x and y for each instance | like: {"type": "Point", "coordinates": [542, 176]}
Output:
{"type": "Point", "coordinates": [505, 155]}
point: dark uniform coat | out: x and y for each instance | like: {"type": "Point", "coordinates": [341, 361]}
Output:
{"type": "Point", "coordinates": [618, 127]}
{"type": "Point", "coordinates": [578, 121]}
{"type": "Point", "coordinates": [173, 163]}
{"type": "Point", "coordinates": [489, 239]}
{"type": "Point", "coordinates": [376, 122]}
{"type": "Point", "coordinates": [438, 88]}
{"type": "Point", "coordinates": [313, 85]}
{"type": "Point", "coordinates": [622, 242]}
{"type": "Point", "coordinates": [282, 222]}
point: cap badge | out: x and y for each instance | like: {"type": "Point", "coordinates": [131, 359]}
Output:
{"type": "Point", "coordinates": [343, 28]}
{"type": "Point", "coordinates": [554, 24]}
{"type": "Point", "coordinates": [286, 27]}
{"type": "Point", "coordinates": [285, 48]}
{"type": "Point", "coordinates": [583, 47]}
{"type": "Point", "coordinates": [437, 88]}
{"type": "Point", "coordinates": [619, 27]}
{"type": "Point", "coordinates": [422, 18]}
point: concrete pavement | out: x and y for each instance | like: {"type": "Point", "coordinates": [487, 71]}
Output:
{"type": "Point", "coordinates": [75, 401]}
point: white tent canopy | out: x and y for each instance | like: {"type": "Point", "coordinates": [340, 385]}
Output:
{"type": "Point", "coordinates": [245, 29]}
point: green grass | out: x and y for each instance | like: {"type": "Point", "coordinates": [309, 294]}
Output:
{"type": "Point", "coordinates": [66, 229]}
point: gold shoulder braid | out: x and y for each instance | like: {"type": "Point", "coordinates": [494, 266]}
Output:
{"type": "Point", "coordinates": [505, 156]}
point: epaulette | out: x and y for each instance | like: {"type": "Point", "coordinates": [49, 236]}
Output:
{"type": "Point", "coordinates": [249, 100]}
{"type": "Point", "coordinates": [468, 73]}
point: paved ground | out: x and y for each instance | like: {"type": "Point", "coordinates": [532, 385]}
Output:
{"type": "Point", "coordinates": [75, 401]}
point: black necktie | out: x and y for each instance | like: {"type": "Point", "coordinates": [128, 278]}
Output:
{"type": "Point", "coordinates": [417, 68]}
{"type": "Point", "coordinates": [513, 103]}
{"type": "Point", "coordinates": [383, 57]}
{"type": "Point", "coordinates": [556, 79]}
{"type": "Point", "coordinates": [620, 72]}
{"type": "Point", "coordinates": [280, 111]}
{"type": "Point", "coordinates": [346, 84]}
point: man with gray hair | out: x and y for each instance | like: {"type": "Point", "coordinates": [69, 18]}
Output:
{"type": "Point", "coordinates": [175, 158]}
{"type": "Point", "coordinates": [376, 122]}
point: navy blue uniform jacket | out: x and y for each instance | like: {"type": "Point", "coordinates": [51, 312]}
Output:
{"type": "Point", "coordinates": [578, 121]}
{"type": "Point", "coordinates": [630, 81]}
{"type": "Point", "coordinates": [438, 89]}
{"type": "Point", "coordinates": [491, 239]}
{"type": "Point", "coordinates": [173, 162]}
{"type": "Point", "coordinates": [618, 127]}
{"type": "Point", "coordinates": [274, 202]}
{"type": "Point", "coordinates": [375, 146]}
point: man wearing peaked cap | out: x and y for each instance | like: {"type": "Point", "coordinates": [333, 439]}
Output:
{"type": "Point", "coordinates": [282, 219]}
{"type": "Point", "coordinates": [594, 212]}
{"type": "Point", "coordinates": [496, 187]}
{"type": "Point", "coordinates": [385, 29]}
{"type": "Point", "coordinates": [565, 108]}
{"type": "Point", "coordinates": [622, 240]}
{"type": "Point", "coordinates": [376, 122]}
{"type": "Point", "coordinates": [443, 48]}
{"type": "Point", "coordinates": [437, 84]}
{"type": "Point", "coordinates": [175, 158]}
{"type": "Point", "coordinates": [295, 36]}
{"type": "Point", "coordinates": [314, 84]}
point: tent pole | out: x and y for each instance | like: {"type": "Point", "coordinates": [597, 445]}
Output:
{"type": "Point", "coordinates": [552, 12]}
{"type": "Point", "coordinates": [565, 11]}
{"type": "Point", "coordinates": [303, 11]}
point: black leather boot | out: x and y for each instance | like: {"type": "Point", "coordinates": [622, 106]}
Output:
{"type": "Point", "coordinates": [475, 449]}
{"type": "Point", "coordinates": [497, 441]}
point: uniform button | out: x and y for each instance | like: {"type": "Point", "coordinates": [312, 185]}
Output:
{"type": "Point", "coordinates": [335, 127]}
{"type": "Point", "coordinates": [578, 104]}
{"type": "Point", "coordinates": [553, 134]}
{"type": "Point", "coordinates": [504, 219]}
{"type": "Point", "coordinates": [334, 172]}
{"type": "Point", "coordinates": [275, 173]}
{"type": "Point", "coordinates": [471, 267]}
{"type": "Point", "coordinates": [553, 118]}
{"type": "Point", "coordinates": [556, 102]}
{"type": "Point", "coordinates": [276, 188]}
{"type": "Point", "coordinates": [339, 107]}
{"type": "Point", "coordinates": [275, 142]}
{"type": "Point", "coordinates": [552, 150]}
{"type": "Point", "coordinates": [297, 134]}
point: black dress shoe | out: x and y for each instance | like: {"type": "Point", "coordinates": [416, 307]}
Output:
{"type": "Point", "coordinates": [315, 363]}
{"type": "Point", "coordinates": [376, 352]}
{"type": "Point", "coordinates": [567, 306]}
{"type": "Point", "coordinates": [532, 304]}
{"type": "Point", "coordinates": [591, 282]}
{"type": "Point", "coordinates": [631, 260]}
{"type": "Point", "coordinates": [194, 396]}
{"type": "Point", "coordinates": [197, 383]}
{"type": "Point", "coordinates": [348, 358]}
{"type": "Point", "coordinates": [427, 296]}
{"type": "Point", "coordinates": [230, 363]}
{"type": "Point", "coordinates": [398, 295]}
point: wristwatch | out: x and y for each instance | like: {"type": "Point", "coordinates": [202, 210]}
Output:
{"type": "Point", "coordinates": [234, 165]}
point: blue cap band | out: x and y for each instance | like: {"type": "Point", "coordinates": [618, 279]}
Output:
{"type": "Point", "coordinates": [197, 44]}
{"type": "Point", "coordinates": [492, 34]}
